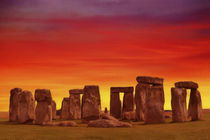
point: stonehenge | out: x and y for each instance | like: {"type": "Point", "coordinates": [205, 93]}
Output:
{"type": "Point", "coordinates": [65, 114]}
{"type": "Point", "coordinates": [43, 111]}
{"type": "Point", "coordinates": [146, 105]}
{"type": "Point", "coordinates": [115, 103]}
{"type": "Point", "coordinates": [91, 103]}
{"type": "Point", "coordinates": [75, 106]}
{"type": "Point", "coordinates": [179, 110]}
{"type": "Point", "coordinates": [149, 99]}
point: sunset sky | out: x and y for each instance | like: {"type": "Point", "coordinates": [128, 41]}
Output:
{"type": "Point", "coordinates": [66, 44]}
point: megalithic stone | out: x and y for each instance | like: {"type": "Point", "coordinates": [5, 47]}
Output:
{"type": "Point", "coordinates": [26, 107]}
{"type": "Point", "coordinates": [195, 105]}
{"type": "Point", "coordinates": [91, 103]}
{"type": "Point", "coordinates": [140, 100]}
{"type": "Point", "coordinates": [154, 107]}
{"type": "Point", "coordinates": [115, 105]}
{"type": "Point", "coordinates": [43, 111]}
{"type": "Point", "coordinates": [53, 110]}
{"type": "Point", "coordinates": [65, 114]}
{"type": "Point", "coordinates": [13, 104]}
{"type": "Point", "coordinates": [178, 104]}
{"type": "Point", "coordinates": [75, 107]}
{"type": "Point", "coordinates": [128, 102]}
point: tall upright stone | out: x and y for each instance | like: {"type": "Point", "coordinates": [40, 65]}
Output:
{"type": "Point", "coordinates": [195, 105]}
{"type": "Point", "coordinates": [178, 103]}
{"type": "Point", "coordinates": [140, 100]}
{"type": "Point", "coordinates": [53, 110]}
{"type": "Point", "coordinates": [115, 105]}
{"type": "Point", "coordinates": [43, 111]}
{"type": "Point", "coordinates": [154, 112]}
{"type": "Point", "coordinates": [91, 103]}
{"type": "Point", "coordinates": [13, 105]}
{"type": "Point", "coordinates": [26, 107]}
{"type": "Point", "coordinates": [65, 109]}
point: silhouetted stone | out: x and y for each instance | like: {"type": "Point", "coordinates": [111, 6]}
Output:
{"type": "Point", "coordinates": [26, 107]}
{"type": "Point", "coordinates": [65, 114]}
{"type": "Point", "coordinates": [128, 102]}
{"type": "Point", "coordinates": [131, 115]}
{"type": "Point", "coordinates": [149, 80]}
{"type": "Point", "coordinates": [178, 103]}
{"type": "Point", "coordinates": [115, 105]}
{"type": "Point", "coordinates": [102, 123]}
{"type": "Point", "coordinates": [91, 103]}
{"type": "Point", "coordinates": [53, 110]}
{"type": "Point", "coordinates": [121, 89]}
{"type": "Point", "coordinates": [186, 84]}
{"type": "Point", "coordinates": [58, 112]}
{"type": "Point", "coordinates": [106, 110]}
{"type": "Point", "coordinates": [13, 105]}
{"type": "Point", "coordinates": [140, 100]}
{"type": "Point", "coordinates": [154, 107]}
{"type": "Point", "coordinates": [195, 105]}
{"type": "Point", "coordinates": [43, 111]}
{"type": "Point", "coordinates": [75, 107]}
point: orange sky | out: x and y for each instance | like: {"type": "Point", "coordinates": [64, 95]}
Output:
{"type": "Point", "coordinates": [62, 53]}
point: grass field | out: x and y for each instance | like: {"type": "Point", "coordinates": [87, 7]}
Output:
{"type": "Point", "coordinates": [199, 130]}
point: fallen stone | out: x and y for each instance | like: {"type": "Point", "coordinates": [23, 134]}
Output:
{"type": "Point", "coordinates": [102, 123]}
{"type": "Point", "coordinates": [75, 107]}
{"type": "Point", "coordinates": [91, 103]}
{"type": "Point", "coordinates": [154, 107]}
{"type": "Point", "coordinates": [149, 80]}
{"type": "Point", "coordinates": [107, 117]}
{"type": "Point", "coordinates": [53, 110]}
{"type": "Point", "coordinates": [62, 123]}
{"type": "Point", "coordinates": [178, 103]}
{"type": "Point", "coordinates": [13, 105]}
{"type": "Point", "coordinates": [26, 107]}
{"type": "Point", "coordinates": [186, 84]}
{"type": "Point", "coordinates": [195, 105]}
{"type": "Point", "coordinates": [65, 114]}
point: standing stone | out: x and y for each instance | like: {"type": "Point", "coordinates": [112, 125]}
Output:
{"type": "Point", "coordinates": [43, 111]}
{"type": "Point", "coordinates": [128, 102]}
{"type": "Point", "coordinates": [140, 100]}
{"type": "Point", "coordinates": [178, 103]}
{"type": "Point", "coordinates": [91, 103]}
{"type": "Point", "coordinates": [53, 110]}
{"type": "Point", "coordinates": [154, 112]}
{"type": "Point", "coordinates": [195, 105]}
{"type": "Point", "coordinates": [75, 107]}
{"type": "Point", "coordinates": [26, 106]}
{"type": "Point", "coordinates": [65, 109]}
{"type": "Point", "coordinates": [115, 105]}
{"type": "Point", "coordinates": [106, 110]}
{"type": "Point", "coordinates": [13, 106]}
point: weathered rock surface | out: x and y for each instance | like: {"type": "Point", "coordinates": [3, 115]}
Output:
{"type": "Point", "coordinates": [43, 111]}
{"type": "Point", "coordinates": [186, 84]}
{"type": "Point", "coordinates": [131, 115]}
{"type": "Point", "coordinates": [26, 107]}
{"type": "Point", "coordinates": [140, 100]}
{"type": "Point", "coordinates": [91, 103]}
{"type": "Point", "coordinates": [102, 123]}
{"type": "Point", "coordinates": [121, 89]}
{"type": "Point", "coordinates": [154, 107]}
{"type": "Point", "coordinates": [43, 95]}
{"type": "Point", "coordinates": [107, 117]}
{"type": "Point", "coordinates": [128, 102]}
{"type": "Point", "coordinates": [149, 80]}
{"type": "Point", "coordinates": [62, 123]}
{"type": "Point", "coordinates": [115, 105]}
{"type": "Point", "coordinates": [13, 105]}
{"type": "Point", "coordinates": [53, 110]}
{"type": "Point", "coordinates": [65, 114]}
{"type": "Point", "coordinates": [178, 103]}
{"type": "Point", "coordinates": [75, 107]}
{"type": "Point", "coordinates": [195, 105]}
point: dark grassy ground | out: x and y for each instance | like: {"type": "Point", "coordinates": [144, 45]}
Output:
{"type": "Point", "coordinates": [199, 130]}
